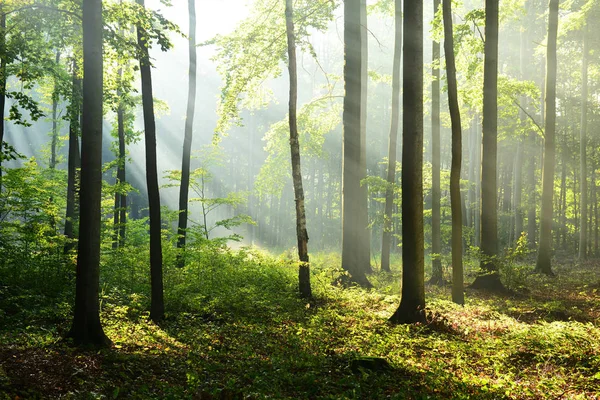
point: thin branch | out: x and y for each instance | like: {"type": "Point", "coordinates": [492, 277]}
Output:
{"type": "Point", "coordinates": [530, 117]}
{"type": "Point", "coordinates": [35, 7]}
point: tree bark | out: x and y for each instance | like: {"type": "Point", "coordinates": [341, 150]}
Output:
{"type": "Point", "coordinates": [393, 141]}
{"type": "Point", "coordinates": [436, 194]}
{"type": "Point", "coordinates": [157, 306]}
{"type": "Point", "coordinates": [74, 161]}
{"type": "Point", "coordinates": [120, 208]}
{"type": "Point", "coordinates": [412, 304]}
{"type": "Point", "coordinates": [352, 249]}
{"type": "Point", "coordinates": [543, 264]}
{"type": "Point", "coordinates": [582, 147]}
{"type": "Point", "coordinates": [364, 232]}
{"type": "Point", "coordinates": [458, 295]}
{"type": "Point", "coordinates": [489, 213]}
{"type": "Point", "coordinates": [86, 328]}
{"type": "Point", "coordinates": [188, 134]}
{"type": "Point", "coordinates": [54, 141]}
{"type": "Point", "coordinates": [3, 63]}
{"type": "Point", "coordinates": [301, 233]}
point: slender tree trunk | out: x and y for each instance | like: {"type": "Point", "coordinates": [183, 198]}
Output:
{"type": "Point", "coordinates": [489, 215]}
{"type": "Point", "coordinates": [364, 232]}
{"type": "Point", "coordinates": [531, 197]}
{"type": "Point", "coordinates": [543, 264]}
{"type": "Point", "coordinates": [74, 161]}
{"type": "Point", "coordinates": [352, 249]}
{"type": "Point", "coordinates": [301, 233]}
{"type": "Point", "coordinates": [582, 147]}
{"type": "Point", "coordinates": [157, 306]}
{"type": "Point", "coordinates": [187, 139]}
{"type": "Point", "coordinates": [86, 328]}
{"type": "Point", "coordinates": [518, 173]}
{"type": "Point", "coordinates": [120, 198]}
{"type": "Point", "coordinates": [458, 295]}
{"type": "Point", "coordinates": [477, 211]}
{"type": "Point", "coordinates": [3, 79]}
{"type": "Point", "coordinates": [412, 304]}
{"type": "Point", "coordinates": [393, 141]}
{"type": "Point", "coordinates": [54, 141]}
{"type": "Point", "coordinates": [563, 201]}
{"type": "Point", "coordinates": [436, 234]}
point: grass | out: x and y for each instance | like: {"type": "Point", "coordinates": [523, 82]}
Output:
{"type": "Point", "coordinates": [236, 329]}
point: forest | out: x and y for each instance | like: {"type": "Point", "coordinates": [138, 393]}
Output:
{"type": "Point", "coordinates": [299, 199]}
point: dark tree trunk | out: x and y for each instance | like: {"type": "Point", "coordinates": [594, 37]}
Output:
{"type": "Point", "coordinates": [436, 194]}
{"type": "Point", "coordinates": [393, 141]}
{"type": "Point", "coordinates": [489, 214]}
{"type": "Point", "coordinates": [544, 264]}
{"type": "Point", "coordinates": [120, 208]}
{"type": "Point", "coordinates": [54, 141]}
{"type": "Point", "coordinates": [301, 233]}
{"type": "Point", "coordinates": [157, 306]}
{"type": "Point", "coordinates": [74, 161]}
{"type": "Point", "coordinates": [352, 249]}
{"type": "Point", "coordinates": [412, 305]}
{"type": "Point", "coordinates": [458, 295]}
{"type": "Point", "coordinates": [531, 198]}
{"type": "Point", "coordinates": [188, 134]}
{"type": "Point", "coordinates": [3, 62]}
{"type": "Point", "coordinates": [86, 328]}
{"type": "Point", "coordinates": [582, 148]}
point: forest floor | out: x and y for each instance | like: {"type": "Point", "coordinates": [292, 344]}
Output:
{"type": "Point", "coordinates": [237, 330]}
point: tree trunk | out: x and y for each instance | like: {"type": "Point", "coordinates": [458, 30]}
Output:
{"type": "Point", "coordinates": [54, 141]}
{"type": "Point", "coordinates": [3, 62]}
{"type": "Point", "coordinates": [364, 232]}
{"type": "Point", "coordinates": [393, 141]}
{"type": "Point", "coordinates": [436, 235]}
{"type": "Point", "coordinates": [458, 295]}
{"type": "Point", "coordinates": [543, 264]}
{"type": "Point", "coordinates": [157, 306]}
{"type": "Point", "coordinates": [301, 233]}
{"type": "Point", "coordinates": [477, 161]}
{"type": "Point", "coordinates": [120, 207]}
{"type": "Point", "coordinates": [188, 134]}
{"type": "Point", "coordinates": [582, 148]}
{"type": "Point", "coordinates": [74, 161]}
{"type": "Point", "coordinates": [489, 215]}
{"type": "Point", "coordinates": [86, 328]}
{"type": "Point", "coordinates": [352, 249]}
{"type": "Point", "coordinates": [412, 305]}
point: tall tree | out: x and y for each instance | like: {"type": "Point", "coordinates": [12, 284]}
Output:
{"type": "Point", "coordinates": [120, 208]}
{"type": "Point", "coordinates": [74, 160]}
{"type": "Point", "coordinates": [544, 255]}
{"type": "Point", "coordinates": [489, 214]}
{"type": "Point", "coordinates": [157, 306]}
{"type": "Point", "coordinates": [86, 328]}
{"type": "Point", "coordinates": [364, 233]}
{"type": "Point", "coordinates": [352, 249]}
{"type": "Point", "coordinates": [393, 141]}
{"type": "Point", "coordinates": [412, 304]}
{"type": "Point", "coordinates": [3, 80]}
{"type": "Point", "coordinates": [55, 98]}
{"type": "Point", "coordinates": [301, 233]}
{"type": "Point", "coordinates": [436, 235]}
{"type": "Point", "coordinates": [582, 147]}
{"type": "Point", "coordinates": [458, 295]}
{"type": "Point", "coordinates": [189, 126]}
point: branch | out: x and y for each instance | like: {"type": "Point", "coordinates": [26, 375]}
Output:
{"type": "Point", "coordinates": [47, 8]}
{"type": "Point", "coordinates": [529, 115]}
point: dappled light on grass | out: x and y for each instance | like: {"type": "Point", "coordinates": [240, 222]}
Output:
{"type": "Point", "coordinates": [236, 325]}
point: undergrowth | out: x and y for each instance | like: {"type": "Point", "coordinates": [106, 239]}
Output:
{"type": "Point", "coordinates": [235, 328]}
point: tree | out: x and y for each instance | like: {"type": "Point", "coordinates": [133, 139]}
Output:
{"type": "Point", "coordinates": [188, 134]}
{"type": "Point", "coordinates": [489, 215]}
{"type": "Point", "coordinates": [352, 248]}
{"type": "Point", "coordinates": [412, 304]}
{"type": "Point", "coordinates": [157, 306]}
{"type": "Point", "coordinates": [74, 160]}
{"type": "Point", "coordinates": [301, 233]}
{"type": "Point", "coordinates": [543, 264]}
{"type": "Point", "coordinates": [391, 167]}
{"type": "Point", "coordinates": [458, 295]}
{"type": "Point", "coordinates": [364, 233]}
{"type": "Point", "coordinates": [436, 235]}
{"type": "Point", "coordinates": [86, 328]}
{"type": "Point", "coordinates": [120, 208]}
{"type": "Point", "coordinates": [582, 147]}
